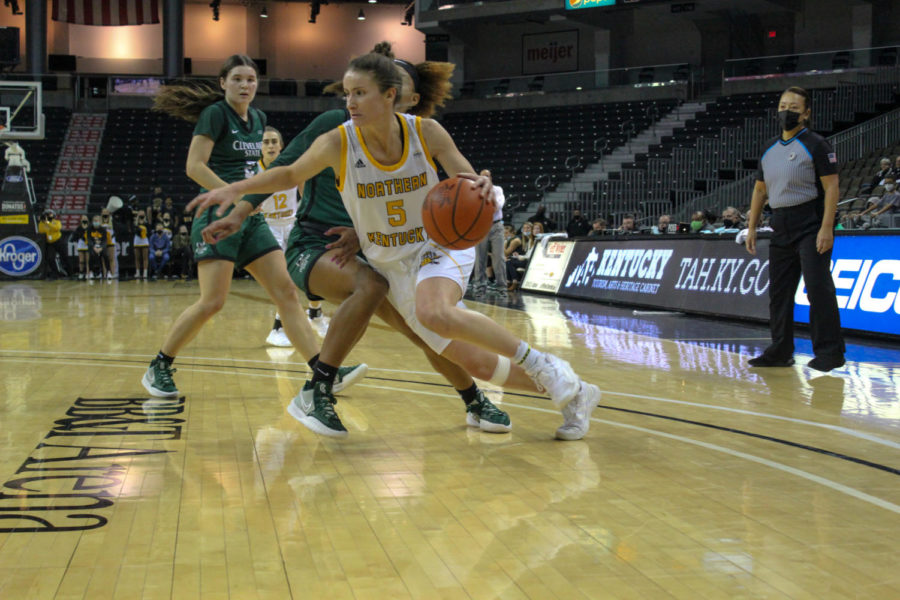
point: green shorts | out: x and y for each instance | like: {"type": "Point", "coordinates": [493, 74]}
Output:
{"type": "Point", "coordinates": [304, 248]}
{"type": "Point", "coordinates": [254, 240]}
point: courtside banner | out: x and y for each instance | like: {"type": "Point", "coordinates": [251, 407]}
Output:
{"type": "Point", "coordinates": [547, 266]}
{"type": "Point", "coordinates": [866, 274]}
{"type": "Point", "coordinates": [713, 276]}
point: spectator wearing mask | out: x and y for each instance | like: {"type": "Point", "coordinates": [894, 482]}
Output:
{"type": "Point", "coordinates": [662, 226]}
{"type": "Point", "coordinates": [598, 227]}
{"type": "Point", "coordinates": [160, 250]}
{"type": "Point", "coordinates": [98, 240]}
{"type": "Point", "coordinates": [182, 256]}
{"type": "Point", "coordinates": [187, 219]}
{"type": "Point", "coordinates": [81, 245]}
{"type": "Point", "coordinates": [169, 210]}
{"type": "Point", "coordinates": [731, 220]}
{"type": "Point", "coordinates": [578, 226]}
{"type": "Point", "coordinates": [887, 203]}
{"type": "Point", "coordinates": [154, 210]}
{"type": "Point", "coordinates": [518, 253]}
{"type": "Point", "coordinates": [56, 248]}
{"type": "Point", "coordinates": [627, 226]}
{"type": "Point", "coordinates": [141, 247]}
{"type": "Point", "coordinates": [541, 217]}
{"type": "Point", "coordinates": [168, 225]}
{"type": "Point", "coordinates": [700, 223]}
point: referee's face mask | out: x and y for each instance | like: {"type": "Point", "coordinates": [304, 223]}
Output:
{"type": "Point", "coordinates": [788, 119]}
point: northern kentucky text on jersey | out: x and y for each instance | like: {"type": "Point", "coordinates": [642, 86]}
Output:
{"type": "Point", "coordinates": [388, 240]}
{"type": "Point", "coordinates": [390, 187]}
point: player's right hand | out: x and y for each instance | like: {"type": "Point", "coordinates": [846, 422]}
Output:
{"type": "Point", "coordinates": [750, 242]}
{"type": "Point", "coordinates": [222, 197]}
{"type": "Point", "coordinates": [220, 229]}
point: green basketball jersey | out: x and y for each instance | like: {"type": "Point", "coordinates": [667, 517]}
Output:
{"type": "Point", "coordinates": [321, 201]}
{"type": "Point", "coordinates": [238, 143]}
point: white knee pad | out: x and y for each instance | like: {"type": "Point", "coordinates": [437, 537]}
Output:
{"type": "Point", "coordinates": [501, 371]}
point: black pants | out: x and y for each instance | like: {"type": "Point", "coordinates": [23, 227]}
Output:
{"type": "Point", "coordinates": [56, 258]}
{"type": "Point", "coordinates": [792, 251]}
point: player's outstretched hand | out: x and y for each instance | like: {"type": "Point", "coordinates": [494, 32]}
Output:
{"type": "Point", "coordinates": [347, 244]}
{"type": "Point", "coordinates": [220, 229]}
{"type": "Point", "coordinates": [482, 181]}
{"type": "Point", "coordinates": [222, 197]}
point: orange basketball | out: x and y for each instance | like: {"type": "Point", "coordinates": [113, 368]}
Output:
{"type": "Point", "coordinates": [455, 216]}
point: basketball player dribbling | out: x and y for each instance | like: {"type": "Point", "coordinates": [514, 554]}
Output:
{"type": "Point", "coordinates": [376, 149]}
{"type": "Point", "coordinates": [280, 211]}
{"type": "Point", "coordinates": [225, 148]}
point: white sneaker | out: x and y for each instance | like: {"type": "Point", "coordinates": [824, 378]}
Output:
{"type": "Point", "coordinates": [90, 276]}
{"type": "Point", "coordinates": [109, 276]}
{"type": "Point", "coordinates": [277, 337]}
{"type": "Point", "coordinates": [577, 413]}
{"type": "Point", "coordinates": [557, 378]}
{"type": "Point", "coordinates": [81, 277]}
{"type": "Point", "coordinates": [320, 325]}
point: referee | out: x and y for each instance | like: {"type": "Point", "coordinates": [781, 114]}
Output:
{"type": "Point", "coordinates": [798, 174]}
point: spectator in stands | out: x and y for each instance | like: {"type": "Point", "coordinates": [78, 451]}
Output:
{"type": "Point", "coordinates": [877, 206]}
{"type": "Point", "coordinates": [895, 172]}
{"type": "Point", "coordinates": [493, 245]}
{"type": "Point", "coordinates": [81, 246]}
{"type": "Point", "coordinates": [187, 218]}
{"type": "Point", "coordinates": [731, 220]}
{"type": "Point", "coordinates": [662, 226]}
{"type": "Point", "coordinates": [518, 253]}
{"type": "Point", "coordinates": [169, 210]}
{"type": "Point", "coordinates": [141, 246]}
{"type": "Point", "coordinates": [627, 226]}
{"type": "Point", "coordinates": [51, 227]}
{"type": "Point", "coordinates": [98, 240]}
{"type": "Point", "coordinates": [541, 217]}
{"type": "Point", "coordinates": [598, 227]}
{"type": "Point", "coordinates": [160, 249]}
{"type": "Point", "coordinates": [156, 193]}
{"type": "Point", "coordinates": [182, 256]}
{"type": "Point", "coordinates": [154, 211]}
{"type": "Point", "coordinates": [168, 226]}
{"type": "Point", "coordinates": [578, 226]}
{"type": "Point", "coordinates": [878, 178]}
{"type": "Point", "coordinates": [700, 222]}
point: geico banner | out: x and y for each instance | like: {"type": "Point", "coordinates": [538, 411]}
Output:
{"type": "Point", "coordinates": [714, 276]}
{"type": "Point", "coordinates": [547, 266]}
{"type": "Point", "coordinates": [866, 273]}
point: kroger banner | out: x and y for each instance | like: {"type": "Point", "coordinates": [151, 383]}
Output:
{"type": "Point", "coordinates": [20, 256]}
{"type": "Point", "coordinates": [717, 276]}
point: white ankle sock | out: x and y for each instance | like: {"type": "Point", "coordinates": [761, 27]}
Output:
{"type": "Point", "coordinates": [526, 356]}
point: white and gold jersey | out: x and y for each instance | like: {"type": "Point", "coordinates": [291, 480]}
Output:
{"type": "Point", "coordinates": [280, 207]}
{"type": "Point", "coordinates": [385, 201]}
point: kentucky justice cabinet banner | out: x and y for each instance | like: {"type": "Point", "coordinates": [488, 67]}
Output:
{"type": "Point", "coordinates": [713, 276]}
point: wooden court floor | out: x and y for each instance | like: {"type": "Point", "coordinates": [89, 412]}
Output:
{"type": "Point", "coordinates": [699, 478]}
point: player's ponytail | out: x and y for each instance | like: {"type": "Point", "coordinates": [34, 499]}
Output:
{"type": "Point", "coordinates": [185, 101]}
{"type": "Point", "coordinates": [433, 87]}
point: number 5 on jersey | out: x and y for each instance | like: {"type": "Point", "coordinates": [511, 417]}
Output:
{"type": "Point", "coordinates": [396, 213]}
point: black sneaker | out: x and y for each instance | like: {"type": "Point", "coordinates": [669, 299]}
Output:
{"type": "Point", "coordinates": [826, 363]}
{"type": "Point", "coordinates": [764, 360]}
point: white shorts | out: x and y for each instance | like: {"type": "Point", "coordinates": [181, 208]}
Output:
{"type": "Point", "coordinates": [140, 242]}
{"type": "Point", "coordinates": [430, 261]}
{"type": "Point", "coordinates": [281, 229]}
{"type": "Point", "coordinates": [81, 246]}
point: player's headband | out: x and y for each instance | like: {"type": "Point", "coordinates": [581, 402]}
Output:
{"type": "Point", "coordinates": [411, 70]}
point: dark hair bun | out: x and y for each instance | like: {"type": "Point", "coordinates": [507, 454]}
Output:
{"type": "Point", "coordinates": [384, 48]}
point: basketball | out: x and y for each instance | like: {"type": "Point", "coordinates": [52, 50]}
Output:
{"type": "Point", "coordinates": [455, 216]}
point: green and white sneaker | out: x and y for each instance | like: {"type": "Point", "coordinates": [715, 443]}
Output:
{"type": "Point", "coordinates": [483, 414]}
{"type": "Point", "coordinates": [158, 379]}
{"type": "Point", "coordinates": [347, 376]}
{"type": "Point", "coordinates": [314, 408]}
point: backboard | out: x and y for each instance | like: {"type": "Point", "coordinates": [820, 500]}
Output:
{"type": "Point", "coordinates": [23, 102]}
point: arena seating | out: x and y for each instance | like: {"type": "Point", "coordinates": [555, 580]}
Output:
{"type": "Point", "coordinates": [141, 149]}
{"type": "Point", "coordinates": [44, 154]}
{"type": "Point", "coordinates": [527, 149]}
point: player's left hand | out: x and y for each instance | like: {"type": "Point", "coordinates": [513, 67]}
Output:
{"type": "Point", "coordinates": [347, 244]}
{"type": "Point", "coordinates": [824, 240]}
{"type": "Point", "coordinates": [481, 181]}
{"type": "Point", "coordinates": [222, 197]}
{"type": "Point", "coordinates": [220, 229]}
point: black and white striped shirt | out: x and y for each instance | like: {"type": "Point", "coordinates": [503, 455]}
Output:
{"type": "Point", "coordinates": [791, 169]}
